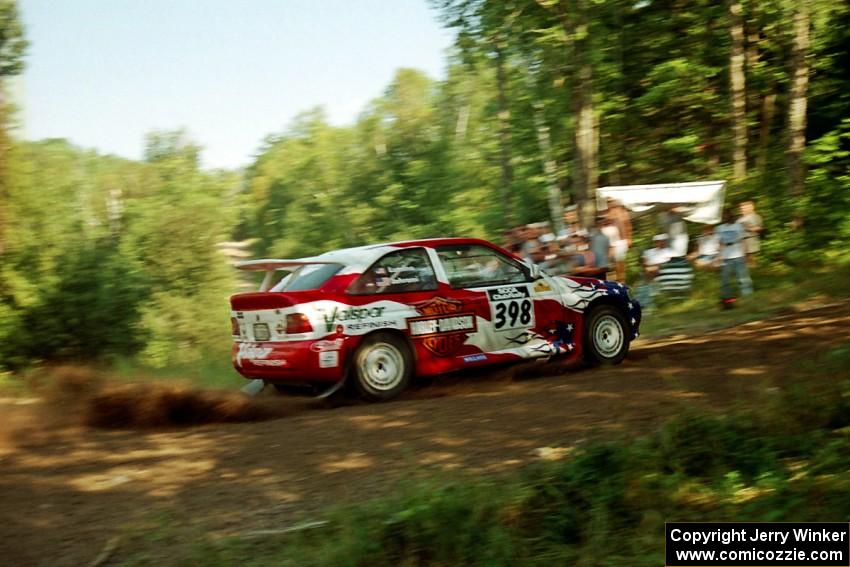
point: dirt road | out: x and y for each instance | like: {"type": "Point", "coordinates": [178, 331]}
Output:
{"type": "Point", "coordinates": [66, 491]}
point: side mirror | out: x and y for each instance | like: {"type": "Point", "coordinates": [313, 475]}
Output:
{"type": "Point", "coordinates": [534, 271]}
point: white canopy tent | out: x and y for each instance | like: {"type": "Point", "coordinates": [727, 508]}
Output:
{"type": "Point", "coordinates": [700, 201]}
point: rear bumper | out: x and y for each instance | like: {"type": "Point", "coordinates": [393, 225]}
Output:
{"type": "Point", "coordinates": [291, 362]}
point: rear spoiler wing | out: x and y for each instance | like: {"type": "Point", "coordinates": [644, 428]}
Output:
{"type": "Point", "coordinates": [271, 265]}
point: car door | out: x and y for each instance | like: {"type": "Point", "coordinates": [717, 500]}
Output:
{"type": "Point", "coordinates": [498, 289]}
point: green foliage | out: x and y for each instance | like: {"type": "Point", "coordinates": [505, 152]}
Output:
{"type": "Point", "coordinates": [13, 44]}
{"type": "Point", "coordinates": [90, 310]}
{"type": "Point", "coordinates": [827, 200]}
{"type": "Point", "coordinates": [106, 257]}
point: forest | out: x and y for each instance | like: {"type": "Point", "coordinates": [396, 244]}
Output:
{"type": "Point", "coordinates": [103, 257]}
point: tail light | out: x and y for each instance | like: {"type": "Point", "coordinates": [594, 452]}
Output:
{"type": "Point", "coordinates": [298, 323]}
{"type": "Point", "coordinates": [234, 327]}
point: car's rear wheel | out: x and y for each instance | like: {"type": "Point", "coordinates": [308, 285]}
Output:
{"type": "Point", "coordinates": [382, 367]}
{"type": "Point", "coordinates": [606, 339]}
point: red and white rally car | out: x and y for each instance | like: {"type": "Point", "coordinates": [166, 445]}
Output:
{"type": "Point", "coordinates": [378, 315]}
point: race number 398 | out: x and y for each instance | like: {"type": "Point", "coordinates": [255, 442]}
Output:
{"type": "Point", "coordinates": [512, 307]}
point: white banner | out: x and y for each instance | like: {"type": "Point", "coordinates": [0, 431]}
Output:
{"type": "Point", "coordinates": [700, 201]}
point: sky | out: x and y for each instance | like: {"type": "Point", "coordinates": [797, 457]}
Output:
{"type": "Point", "coordinates": [103, 73]}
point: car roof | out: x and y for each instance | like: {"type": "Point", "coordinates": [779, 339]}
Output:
{"type": "Point", "coordinates": [359, 258]}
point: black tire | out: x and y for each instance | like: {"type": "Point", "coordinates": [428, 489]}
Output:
{"type": "Point", "coordinates": [606, 336]}
{"type": "Point", "coordinates": [382, 367]}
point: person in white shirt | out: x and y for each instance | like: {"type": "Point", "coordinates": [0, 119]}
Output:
{"type": "Point", "coordinates": [677, 233]}
{"type": "Point", "coordinates": [752, 223]}
{"type": "Point", "coordinates": [610, 230]}
{"type": "Point", "coordinates": [707, 254]}
{"type": "Point", "coordinates": [656, 256]}
{"type": "Point", "coordinates": [731, 236]}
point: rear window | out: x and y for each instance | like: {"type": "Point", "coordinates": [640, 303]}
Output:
{"type": "Point", "coordinates": [311, 276]}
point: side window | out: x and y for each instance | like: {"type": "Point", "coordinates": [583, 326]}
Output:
{"type": "Point", "coordinates": [398, 272]}
{"type": "Point", "coordinates": [471, 265]}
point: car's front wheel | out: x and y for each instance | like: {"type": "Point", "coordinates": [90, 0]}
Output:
{"type": "Point", "coordinates": [382, 367]}
{"type": "Point", "coordinates": [606, 339]}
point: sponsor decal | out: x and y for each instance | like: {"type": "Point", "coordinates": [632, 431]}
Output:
{"type": "Point", "coordinates": [370, 325]}
{"type": "Point", "coordinates": [329, 359]}
{"type": "Point", "coordinates": [396, 276]}
{"type": "Point", "coordinates": [349, 314]}
{"type": "Point", "coordinates": [441, 327]}
{"type": "Point", "coordinates": [423, 327]}
{"type": "Point", "coordinates": [323, 346]}
{"type": "Point", "coordinates": [505, 293]}
{"type": "Point", "coordinates": [475, 358]}
{"type": "Point", "coordinates": [541, 287]}
{"type": "Point", "coordinates": [439, 306]}
{"type": "Point", "coordinates": [277, 362]}
{"type": "Point", "coordinates": [252, 352]}
{"type": "Point", "coordinates": [511, 308]}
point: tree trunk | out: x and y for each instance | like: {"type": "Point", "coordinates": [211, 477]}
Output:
{"type": "Point", "coordinates": [504, 139]}
{"type": "Point", "coordinates": [797, 109]}
{"type": "Point", "coordinates": [738, 92]}
{"type": "Point", "coordinates": [550, 169]}
{"type": "Point", "coordinates": [768, 109]}
{"type": "Point", "coordinates": [5, 144]}
{"type": "Point", "coordinates": [586, 170]}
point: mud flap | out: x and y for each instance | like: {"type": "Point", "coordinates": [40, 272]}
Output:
{"type": "Point", "coordinates": [332, 390]}
{"type": "Point", "coordinates": [254, 387]}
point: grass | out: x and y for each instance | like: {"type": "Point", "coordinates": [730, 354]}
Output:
{"type": "Point", "coordinates": [784, 460]}
{"type": "Point", "coordinates": [211, 370]}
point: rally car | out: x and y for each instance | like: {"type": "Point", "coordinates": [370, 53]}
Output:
{"type": "Point", "coordinates": [376, 316]}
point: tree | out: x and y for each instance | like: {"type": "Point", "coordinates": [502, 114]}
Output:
{"type": "Point", "coordinates": [13, 46]}
{"type": "Point", "coordinates": [738, 91]}
{"type": "Point", "coordinates": [799, 90]}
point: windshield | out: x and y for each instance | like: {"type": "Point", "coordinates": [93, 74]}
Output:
{"type": "Point", "coordinates": [311, 276]}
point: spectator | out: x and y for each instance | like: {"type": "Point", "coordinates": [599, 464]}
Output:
{"type": "Point", "coordinates": [677, 233]}
{"type": "Point", "coordinates": [552, 262]}
{"type": "Point", "coordinates": [571, 225]}
{"type": "Point", "coordinates": [600, 245]}
{"type": "Point", "coordinates": [753, 227]}
{"type": "Point", "coordinates": [609, 229]}
{"type": "Point", "coordinates": [582, 261]}
{"type": "Point", "coordinates": [731, 235]}
{"type": "Point", "coordinates": [654, 257]}
{"type": "Point", "coordinates": [530, 243]}
{"type": "Point", "coordinates": [707, 254]}
{"type": "Point", "coordinates": [621, 219]}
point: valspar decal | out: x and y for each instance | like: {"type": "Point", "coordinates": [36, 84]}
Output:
{"type": "Point", "coordinates": [351, 314]}
{"type": "Point", "coordinates": [441, 327]}
{"type": "Point", "coordinates": [511, 308]}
